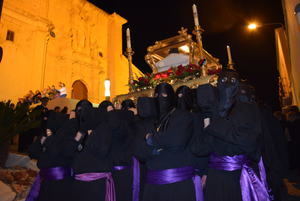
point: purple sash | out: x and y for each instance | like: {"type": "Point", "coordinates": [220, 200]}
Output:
{"type": "Point", "coordinates": [136, 177]}
{"type": "Point", "coordinates": [110, 194]}
{"type": "Point", "coordinates": [253, 188]}
{"type": "Point", "coordinates": [169, 176]}
{"type": "Point", "coordinates": [119, 168]}
{"type": "Point", "coordinates": [56, 173]}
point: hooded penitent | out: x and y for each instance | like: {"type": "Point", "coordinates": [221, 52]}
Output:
{"type": "Point", "coordinates": [207, 99]}
{"type": "Point", "coordinates": [227, 87]}
{"type": "Point", "coordinates": [165, 98]}
{"type": "Point", "coordinates": [104, 105]}
{"type": "Point", "coordinates": [184, 98]}
{"type": "Point", "coordinates": [83, 110]}
{"type": "Point", "coordinates": [56, 120]}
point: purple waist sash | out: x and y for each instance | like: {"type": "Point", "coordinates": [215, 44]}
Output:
{"type": "Point", "coordinates": [110, 194]}
{"type": "Point", "coordinates": [253, 188]}
{"type": "Point", "coordinates": [136, 177]}
{"type": "Point", "coordinates": [56, 173]}
{"type": "Point", "coordinates": [169, 176]}
{"type": "Point", "coordinates": [119, 168]}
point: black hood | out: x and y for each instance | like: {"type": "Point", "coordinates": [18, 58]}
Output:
{"type": "Point", "coordinates": [228, 85]}
{"type": "Point", "coordinates": [165, 98]}
{"type": "Point", "coordinates": [207, 99]}
{"type": "Point", "coordinates": [83, 110]}
{"type": "Point", "coordinates": [184, 97]}
{"type": "Point", "coordinates": [56, 120]}
{"type": "Point", "coordinates": [104, 105]}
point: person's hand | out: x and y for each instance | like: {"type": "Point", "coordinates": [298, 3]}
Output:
{"type": "Point", "coordinates": [134, 110]}
{"type": "Point", "coordinates": [89, 132]}
{"type": "Point", "coordinates": [72, 115]}
{"type": "Point", "coordinates": [78, 136]}
{"type": "Point", "coordinates": [48, 132]}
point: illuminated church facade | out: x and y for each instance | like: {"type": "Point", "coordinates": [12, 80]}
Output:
{"type": "Point", "coordinates": [71, 41]}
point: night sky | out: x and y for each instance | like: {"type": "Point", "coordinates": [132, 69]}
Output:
{"type": "Point", "coordinates": [224, 22]}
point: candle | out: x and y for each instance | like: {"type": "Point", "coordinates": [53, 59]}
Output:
{"type": "Point", "coordinates": [195, 13]}
{"type": "Point", "coordinates": [128, 38]}
{"type": "Point", "coordinates": [229, 55]}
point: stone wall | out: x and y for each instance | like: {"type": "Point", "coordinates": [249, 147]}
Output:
{"type": "Point", "coordinates": [61, 40]}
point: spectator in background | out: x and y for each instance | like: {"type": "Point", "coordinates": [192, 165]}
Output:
{"type": "Point", "coordinates": [57, 109]}
{"type": "Point", "coordinates": [37, 97]}
{"type": "Point", "coordinates": [62, 90]}
{"type": "Point", "coordinates": [64, 110]}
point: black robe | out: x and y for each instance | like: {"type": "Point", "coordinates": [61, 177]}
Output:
{"type": "Point", "coordinates": [57, 151]}
{"type": "Point", "coordinates": [93, 158]}
{"type": "Point", "coordinates": [200, 163]}
{"type": "Point", "coordinates": [174, 142]}
{"type": "Point", "coordinates": [239, 133]}
{"type": "Point", "coordinates": [121, 125]}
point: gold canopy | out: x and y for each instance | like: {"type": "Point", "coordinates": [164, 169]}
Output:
{"type": "Point", "coordinates": [186, 45]}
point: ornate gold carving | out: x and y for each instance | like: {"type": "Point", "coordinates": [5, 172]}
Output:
{"type": "Point", "coordinates": [160, 49]}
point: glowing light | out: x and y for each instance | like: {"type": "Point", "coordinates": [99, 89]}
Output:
{"type": "Point", "coordinates": [185, 48]}
{"type": "Point", "coordinates": [107, 88]}
{"type": "Point", "coordinates": [252, 26]}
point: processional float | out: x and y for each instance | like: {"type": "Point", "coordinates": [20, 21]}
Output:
{"type": "Point", "coordinates": [202, 67]}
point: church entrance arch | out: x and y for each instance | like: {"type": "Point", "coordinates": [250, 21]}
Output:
{"type": "Point", "coordinates": [79, 90]}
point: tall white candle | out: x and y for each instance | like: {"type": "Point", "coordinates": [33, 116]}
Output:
{"type": "Point", "coordinates": [195, 13]}
{"type": "Point", "coordinates": [229, 55]}
{"type": "Point", "coordinates": [128, 38]}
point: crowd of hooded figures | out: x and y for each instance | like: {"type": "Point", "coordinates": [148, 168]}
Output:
{"type": "Point", "coordinates": [212, 143]}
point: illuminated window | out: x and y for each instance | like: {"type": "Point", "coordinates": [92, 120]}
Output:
{"type": "Point", "coordinates": [10, 35]}
{"type": "Point", "coordinates": [107, 88]}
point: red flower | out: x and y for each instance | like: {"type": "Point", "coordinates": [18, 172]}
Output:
{"type": "Point", "coordinates": [170, 70]}
{"type": "Point", "coordinates": [180, 68]}
{"type": "Point", "coordinates": [179, 72]}
{"type": "Point", "coordinates": [143, 81]}
{"type": "Point", "coordinates": [157, 76]}
{"type": "Point", "coordinates": [189, 69]}
{"type": "Point", "coordinates": [164, 75]}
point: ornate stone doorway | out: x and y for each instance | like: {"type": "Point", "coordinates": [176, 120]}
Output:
{"type": "Point", "coordinates": [79, 90]}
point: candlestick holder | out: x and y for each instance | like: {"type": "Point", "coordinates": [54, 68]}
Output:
{"type": "Point", "coordinates": [198, 33]}
{"type": "Point", "coordinates": [129, 53]}
{"type": "Point", "coordinates": [230, 66]}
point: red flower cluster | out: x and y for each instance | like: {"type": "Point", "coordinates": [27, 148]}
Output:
{"type": "Point", "coordinates": [164, 75]}
{"type": "Point", "coordinates": [173, 74]}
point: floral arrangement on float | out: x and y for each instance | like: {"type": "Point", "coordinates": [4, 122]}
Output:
{"type": "Point", "coordinates": [171, 76]}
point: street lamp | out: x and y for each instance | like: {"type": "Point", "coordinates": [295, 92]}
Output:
{"type": "Point", "coordinates": [254, 26]}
